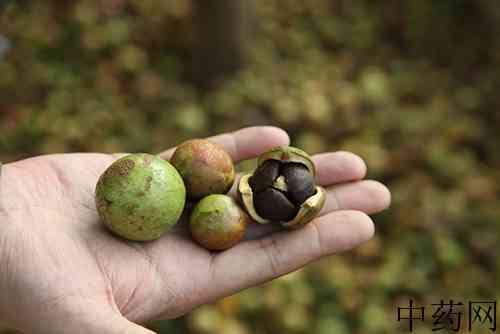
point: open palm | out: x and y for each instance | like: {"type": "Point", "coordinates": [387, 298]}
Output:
{"type": "Point", "coordinates": [62, 272]}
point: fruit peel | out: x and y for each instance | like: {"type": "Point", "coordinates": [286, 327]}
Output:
{"type": "Point", "coordinates": [140, 196]}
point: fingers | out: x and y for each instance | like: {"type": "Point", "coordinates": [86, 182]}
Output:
{"type": "Point", "coordinates": [367, 196]}
{"type": "Point", "coordinates": [342, 173]}
{"type": "Point", "coordinates": [336, 167]}
{"type": "Point", "coordinates": [341, 167]}
{"type": "Point", "coordinates": [254, 262]}
{"type": "Point", "coordinates": [246, 143]}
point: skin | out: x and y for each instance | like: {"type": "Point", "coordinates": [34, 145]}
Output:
{"type": "Point", "coordinates": [62, 272]}
{"type": "Point", "coordinates": [140, 196]}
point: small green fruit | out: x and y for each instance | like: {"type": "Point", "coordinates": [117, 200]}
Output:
{"type": "Point", "coordinates": [140, 196]}
{"type": "Point", "coordinates": [217, 222]}
{"type": "Point", "coordinates": [205, 167]}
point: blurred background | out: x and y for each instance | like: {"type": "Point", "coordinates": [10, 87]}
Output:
{"type": "Point", "coordinates": [411, 86]}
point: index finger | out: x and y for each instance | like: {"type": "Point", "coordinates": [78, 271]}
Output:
{"type": "Point", "coordinates": [246, 143]}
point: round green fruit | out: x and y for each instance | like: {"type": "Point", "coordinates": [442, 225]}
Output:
{"type": "Point", "coordinates": [205, 167]}
{"type": "Point", "coordinates": [140, 196]}
{"type": "Point", "coordinates": [217, 222]}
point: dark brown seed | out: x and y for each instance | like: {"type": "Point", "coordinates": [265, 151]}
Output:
{"type": "Point", "coordinates": [272, 204]}
{"type": "Point", "coordinates": [265, 175]}
{"type": "Point", "coordinates": [300, 182]}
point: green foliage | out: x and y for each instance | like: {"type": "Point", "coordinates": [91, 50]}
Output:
{"type": "Point", "coordinates": [408, 85]}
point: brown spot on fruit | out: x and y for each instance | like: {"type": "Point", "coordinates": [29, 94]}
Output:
{"type": "Point", "coordinates": [147, 160]}
{"type": "Point", "coordinates": [121, 168]}
{"type": "Point", "coordinates": [103, 203]}
{"type": "Point", "coordinates": [149, 179]}
{"type": "Point", "coordinates": [128, 165]}
{"type": "Point", "coordinates": [131, 208]}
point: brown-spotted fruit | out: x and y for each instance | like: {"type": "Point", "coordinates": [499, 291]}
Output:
{"type": "Point", "coordinates": [282, 188]}
{"type": "Point", "coordinates": [206, 168]}
{"type": "Point", "coordinates": [217, 222]}
{"type": "Point", "coordinates": [140, 196]}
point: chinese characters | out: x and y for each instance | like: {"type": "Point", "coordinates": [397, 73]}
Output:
{"type": "Point", "coordinates": [449, 316]}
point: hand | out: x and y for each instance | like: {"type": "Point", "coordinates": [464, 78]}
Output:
{"type": "Point", "coordinates": [61, 271]}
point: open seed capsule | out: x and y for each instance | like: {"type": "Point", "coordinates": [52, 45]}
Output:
{"type": "Point", "coordinates": [282, 188]}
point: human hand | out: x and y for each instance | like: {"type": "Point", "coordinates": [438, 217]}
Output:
{"type": "Point", "coordinates": [61, 271]}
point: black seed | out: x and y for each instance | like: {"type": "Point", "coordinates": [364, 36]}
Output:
{"type": "Point", "coordinates": [264, 176]}
{"type": "Point", "coordinates": [300, 182]}
{"type": "Point", "coordinates": [272, 204]}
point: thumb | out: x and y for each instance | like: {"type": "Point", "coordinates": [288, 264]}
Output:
{"type": "Point", "coordinates": [120, 325]}
{"type": "Point", "coordinates": [82, 319]}
{"type": "Point", "coordinates": [109, 324]}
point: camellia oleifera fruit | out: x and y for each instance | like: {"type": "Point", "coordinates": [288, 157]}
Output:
{"type": "Point", "coordinates": [217, 222]}
{"type": "Point", "coordinates": [140, 196]}
{"type": "Point", "coordinates": [282, 188]}
{"type": "Point", "coordinates": [206, 168]}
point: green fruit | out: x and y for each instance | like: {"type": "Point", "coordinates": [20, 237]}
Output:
{"type": "Point", "coordinates": [217, 222]}
{"type": "Point", "coordinates": [140, 196]}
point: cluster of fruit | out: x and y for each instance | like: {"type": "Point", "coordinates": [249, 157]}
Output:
{"type": "Point", "coordinates": [140, 196]}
